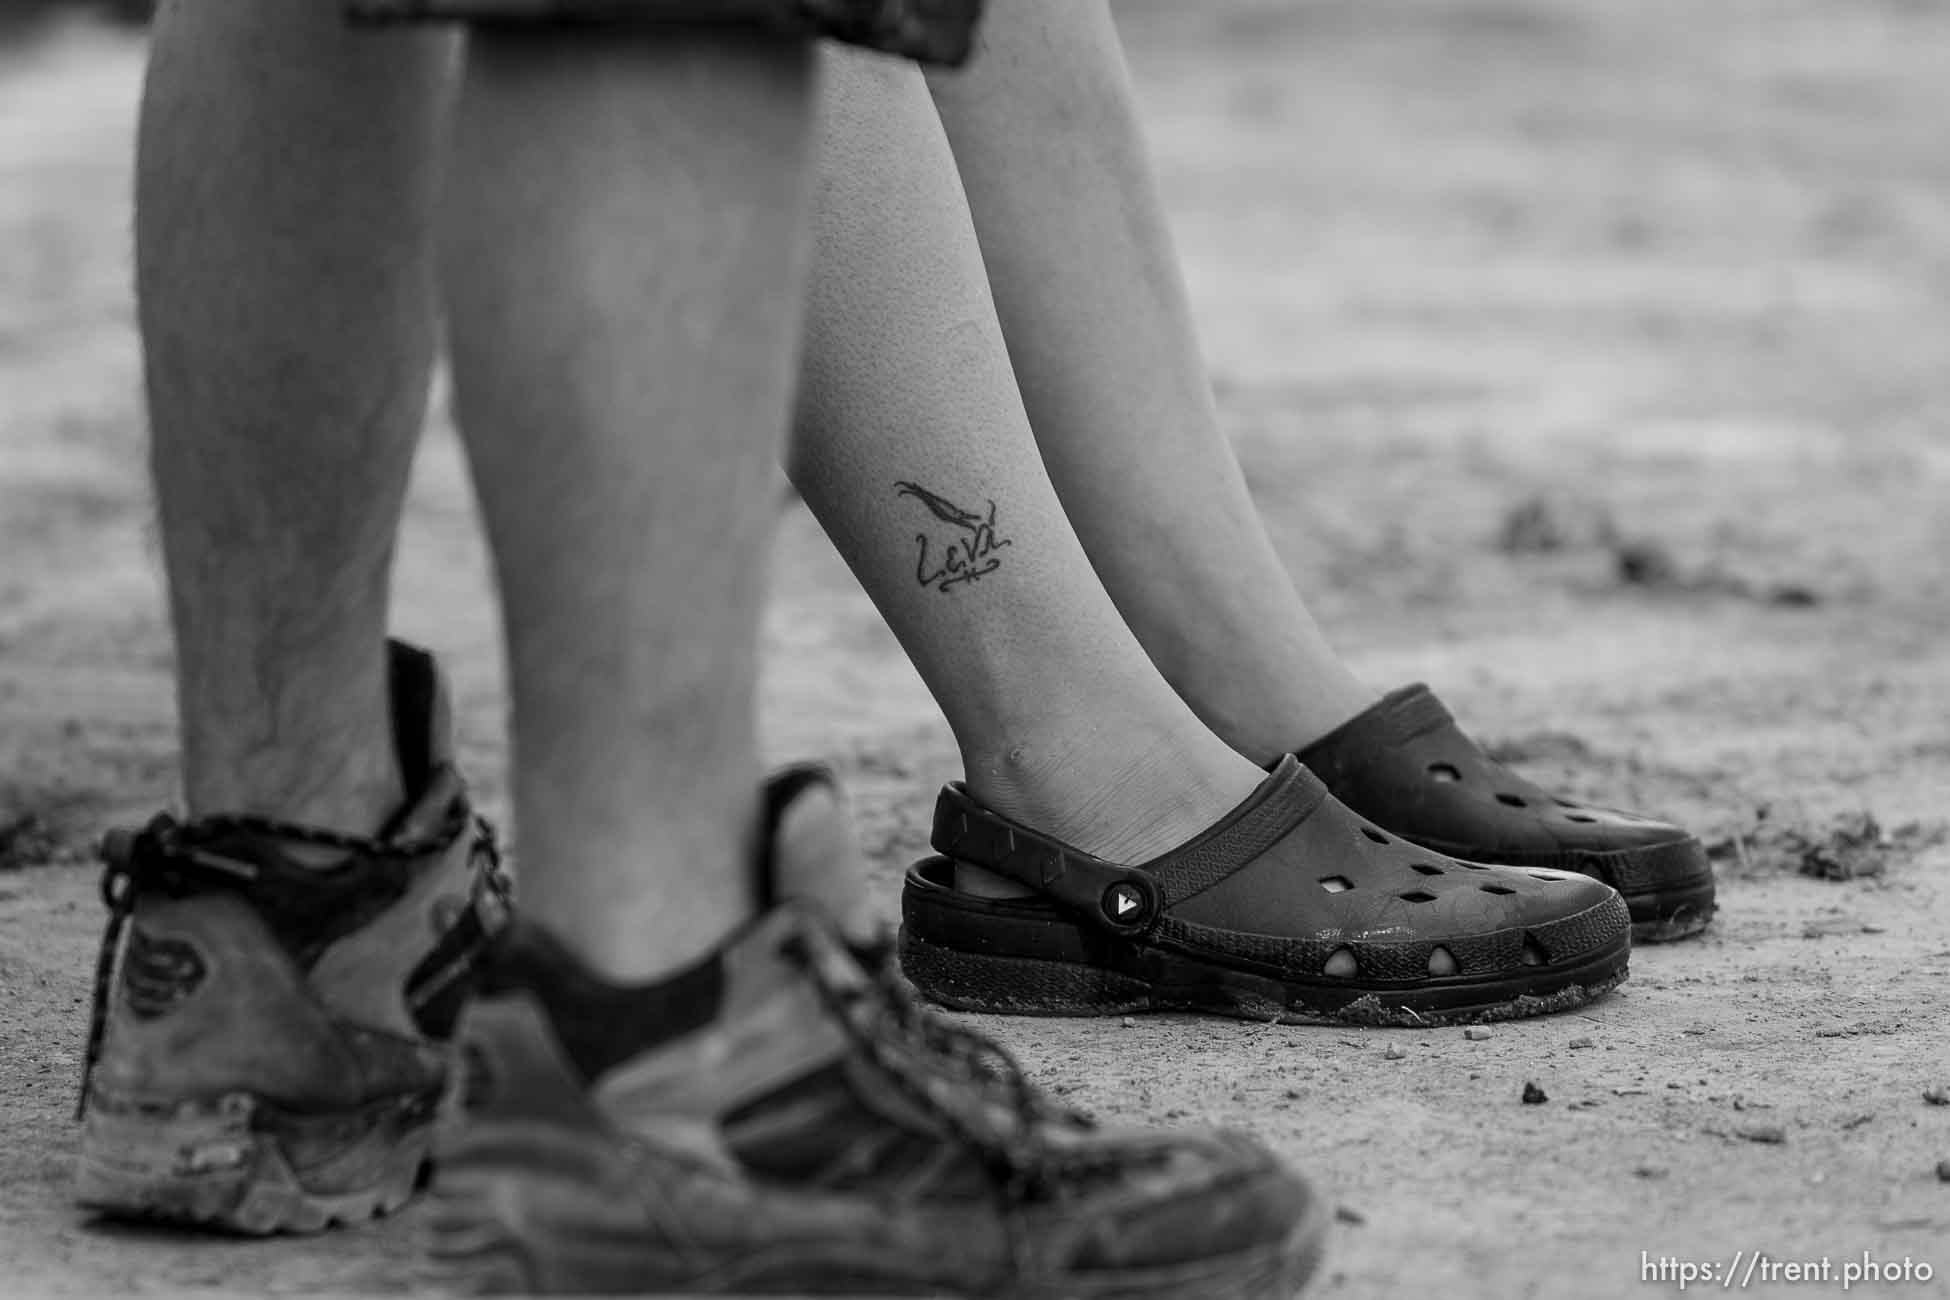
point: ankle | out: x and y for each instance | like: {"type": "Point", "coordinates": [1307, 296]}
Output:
{"type": "Point", "coordinates": [1265, 725]}
{"type": "Point", "coordinates": [1126, 797]}
{"type": "Point", "coordinates": [356, 796]}
{"type": "Point", "coordinates": [634, 878]}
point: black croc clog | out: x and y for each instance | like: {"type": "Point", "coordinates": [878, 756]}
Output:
{"type": "Point", "coordinates": [1290, 908]}
{"type": "Point", "coordinates": [1404, 764]}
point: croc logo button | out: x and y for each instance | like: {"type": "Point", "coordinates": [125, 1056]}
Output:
{"type": "Point", "coordinates": [1125, 905]}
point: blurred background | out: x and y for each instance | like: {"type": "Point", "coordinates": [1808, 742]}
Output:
{"type": "Point", "coordinates": [1590, 360]}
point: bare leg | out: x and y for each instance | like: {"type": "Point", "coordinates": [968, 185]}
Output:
{"type": "Point", "coordinates": [624, 349]}
{"type": "Point", "coordinates": [914, 451]}
{"type": "Point", "coordinates": [287, 381]}
{"type": "Point", "coordinates": [1092, 304]}
{"type": "Point", "coordinates": [285, 201]}
{"type": "Point", "coordinates": [729, 1120]}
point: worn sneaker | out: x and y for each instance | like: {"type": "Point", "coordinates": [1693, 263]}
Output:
{"type": "Point", "coordinates": [780, 1118]}
{"type": "Point", "coordinates": [269, 1051]}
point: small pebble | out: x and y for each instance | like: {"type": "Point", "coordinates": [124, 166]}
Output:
{"type": "Point", "coordinates": [1937, 1095]}
{"type": "Point", "coordinates": [1646, 564]}
{"type": "Point", "coordinates": [1349, 1215]}
{"type": "Point", "coordinates": [1533, 1095]}
{"type": "Point", "coordinates": [1130, 1022]}
{"type": "Point", "coordinates": [1477, 1033]}
{"type": "Point", "coordinates": [1393, 1053]}
{"type": "Point", "coordinates": [1580, 1044]}
{"type": "Point", "coordinates": [1293, 1094]}
{"type": "Point", "coordinates": [1770, 1134]}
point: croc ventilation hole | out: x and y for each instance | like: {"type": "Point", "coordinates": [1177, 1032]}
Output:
{"type": "Point", "coordinates": [1548, 877]}
{"type": "Point", "coordinates": [1443, 962]}
{"type": "Point", "coordinates": [1477, 866]}
{"type": "Point", "coordinates": [1511, 800]}
{"type": "Point", "coordinates": [1336, 884]}
{"type": "Point", "coordinates": [1424, 869]}
{"type": "Point", "coordinates": [1374, 835]}
{"type": "Point", "coordinates": [1444, 772]}
{"type": "Point", "coordinates": [1533, 952]}
{"type": "Point", "coordinates": [1341, 964]}
{"type": "Point", "coordinates": [1417, 896]}
{"type": "Point", "coordinates": [1496, 889]}
{"type": "Point", "coordinates": [1564, 803]}
{"type": "Point", "coordinates": [1580, 817]}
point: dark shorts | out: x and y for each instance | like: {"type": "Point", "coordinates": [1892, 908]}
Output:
{"type": "Point", "coordinates": [928, 31]}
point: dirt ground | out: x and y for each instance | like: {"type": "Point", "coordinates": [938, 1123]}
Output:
{"type": "Point", "coordinates": [1592, 361]}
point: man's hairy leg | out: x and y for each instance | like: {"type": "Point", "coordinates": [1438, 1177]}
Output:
{"type": "Point", "coordinates": [623, 242]}
{"type": "Point", "coordinates": [284, 200]}
{"type": "Point", "coordinates": [268, 1045]}
{"type": "Point", "coordinates": [1045, 134]}
{"type": "Point", "coordinates": [913, 449]}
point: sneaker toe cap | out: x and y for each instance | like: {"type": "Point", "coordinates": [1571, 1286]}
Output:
{"type": "Point", "coordinates": [1210, 1197]}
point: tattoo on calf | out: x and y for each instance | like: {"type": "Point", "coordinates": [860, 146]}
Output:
{"type": "Point", "coordinates": [964, 552]}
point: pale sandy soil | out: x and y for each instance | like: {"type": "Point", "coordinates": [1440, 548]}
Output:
{"type": "Point", "coordinates": [1678, 272]}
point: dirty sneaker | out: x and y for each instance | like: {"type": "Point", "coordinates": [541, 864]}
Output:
{"type": "Point", "coordinates": [269, 1051]}
{"type": "Point", "coordinates": [776, 1119]}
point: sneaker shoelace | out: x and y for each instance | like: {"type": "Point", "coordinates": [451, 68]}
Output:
{"type": "Point", "coordinates": [172, 857]}
{"type": "Point", "coordinates": [929, 1059]}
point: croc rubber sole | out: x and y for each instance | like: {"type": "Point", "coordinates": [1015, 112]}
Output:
{"type": "Point", "coordinates": [1668, 888]}
{"type": "Point", "coordinates": [1023, 957]}
{"type": "Point", "coordinates": [1667, 914]}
